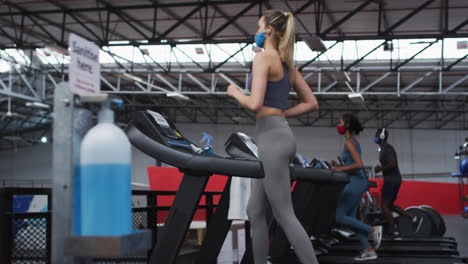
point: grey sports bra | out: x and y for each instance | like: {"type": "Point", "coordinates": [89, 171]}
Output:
{"type": "Point", "coordinates": [276, 94]}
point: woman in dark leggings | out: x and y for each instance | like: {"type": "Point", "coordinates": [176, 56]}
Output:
{"type": "Point", "coordinates": [350, 199]}
{"type": "Point", "coordinates": [273, 75]}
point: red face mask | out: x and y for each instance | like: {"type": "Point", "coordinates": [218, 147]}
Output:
{"type": "Point", "coordinates": [341, 129]}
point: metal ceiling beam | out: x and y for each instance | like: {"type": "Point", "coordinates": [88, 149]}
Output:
{"type": "Point", "coordinates": [50, 22]}
{"type": "Point", "coordinates": [242, 40]}
{"type": "Point", "coordinates": [152, 59]}
{"type": "Point", "coordinates": [455, 84]}
{"type": "Point", "coordinates": [413, 125]}
{"type": "Point", "coordinates": [408, 16]}
{"type": "Point", "coordinates": [57, 41]}
{"type": "Point", "coordinates": [316, 57]}
{"type": "Point", "coordinates": [444, 16]}
{"type": "Point", "coordinates": [296, 16]}
{"type": "Point", "coordinates": [385, 75]}
{"type": "Point", "coordinates": [126, 7]}
{"type": "Point", "coordinates": [190, 58]}
{"type": "Point", "coordinates": [363, 57]}
{"type": "Point", "coordinates": [412, 57]}
{"type": "Point", "coordinates": [235, 24]}
{"type": "Point", "coordinates": [379, 19]}
{"type": "Point", "coordinates": [231, 111]}
{"type": "Point", "coordinates": [304, 6]}
{"type": "Point", "coordinates": [227, 59]}
{"type": "Point", "coordinates": [177, 17]}
{"type": "Point", "coordinates": [346, 17]}
{"type": "Point", "coordinates": [331, 85]}
{"type": "Point", "coordinates": [124, 16]}
{"type": "Point", "coordinates": [5, 34]}
{"type": "Point", "coordinates": [202, 85]}
{"type": "Point", "coordinates": [411, 85]}
{"type": "Point", "coordinates": [18, 95]}
{"type": "Point", "coordinates": [391, 121]}
{"type": "Point", "coordinates": [449, 67]}
{"type": "Point", "coordinates": [36, 35]}
{"type": "Point", "coordinates": [177, 24]}
{"type": "Point", "coordinates": [458, 27]}
{"type": "Point", "coordinates": [65, 10]}
{"type": "Point", "coordinates": [231, 20]}
{"type": "Point", "coordinates": [445, 122]}
{"type": "Point", "coordinates": [330, 17]}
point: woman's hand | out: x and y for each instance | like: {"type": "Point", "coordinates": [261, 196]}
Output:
{"type": "Point", "coordinates": [232, 90]}
{"type": "Point", "coordinates": [377, 169]}
{"type": "Point", "coordinates": [334, 163]}
{"type": "Point", "coordinates": [337, 168]}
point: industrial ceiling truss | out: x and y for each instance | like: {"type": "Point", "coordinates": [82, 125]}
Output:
{"type": "Point", "coordinates": [408, 92]}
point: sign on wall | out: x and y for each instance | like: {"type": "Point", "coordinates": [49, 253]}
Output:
{"type": "Point", "coordinates": [462, 44]}
{"type": "Point", "coordinates": [85, 70]}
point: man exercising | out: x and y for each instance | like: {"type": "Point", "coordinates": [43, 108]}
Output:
{"type": "Point", "coordinates": [391, 177]}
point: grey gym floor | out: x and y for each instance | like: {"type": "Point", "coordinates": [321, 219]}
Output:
{"type": "Point", "coordinates": [457, 226]}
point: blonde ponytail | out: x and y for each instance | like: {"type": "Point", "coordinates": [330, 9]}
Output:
{"type": "Point", "coordinates": [283, 22]}
{"type": "Point", "coordinates": [286, 46]}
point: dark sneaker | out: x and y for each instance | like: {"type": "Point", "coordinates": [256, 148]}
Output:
{"type": "Point", "coordinates": [366, 255]}
{"type": "Point", "coordinates": [376, 236]}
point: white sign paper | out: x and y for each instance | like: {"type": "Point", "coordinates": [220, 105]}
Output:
{"type": "Point", "coordinates": [85, 70]}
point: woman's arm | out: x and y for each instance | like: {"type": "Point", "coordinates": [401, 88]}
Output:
{"type": "Point", "coordinates": [309, 102]}
{"type": "Point", "coordinates": [254, 101]}
{"type": "Point", "coordinates": [351, 147]}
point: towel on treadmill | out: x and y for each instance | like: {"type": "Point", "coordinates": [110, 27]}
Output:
{"type": "Point", "coordinates": [239, 197]}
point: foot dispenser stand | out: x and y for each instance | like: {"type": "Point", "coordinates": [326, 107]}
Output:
{"type": "Point", "coordinates": [72, 119]}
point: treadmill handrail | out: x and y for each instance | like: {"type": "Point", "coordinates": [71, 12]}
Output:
{"type": "Point", "coordinates": [318, 175]}
{"type": "Point", "coordinates": [193, 162]}
{"type": "Point", "coordinates": [203, 165]}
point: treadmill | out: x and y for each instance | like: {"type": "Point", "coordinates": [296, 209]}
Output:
{"type": "Point", "coordinates": [342, 233]}
{"type": "Point", "coordinates": [323, 200]}
{"type": "Point", "coordinates": [156, 136]}
{"type": "Point", "coordinates": [397, 251]}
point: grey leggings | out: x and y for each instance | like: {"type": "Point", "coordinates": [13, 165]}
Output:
{"type": "Point", "coordinates": [271, 196]}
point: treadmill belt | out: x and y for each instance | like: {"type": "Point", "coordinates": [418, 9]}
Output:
{"type": "Point", "coordinates": [391, 260]}
{"type": "Point", "coordinates": [394, 249]}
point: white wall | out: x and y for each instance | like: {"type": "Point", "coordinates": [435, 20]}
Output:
{"type": "Point", "coordinates": [419, 151]}
{"type": "Point", "coordinates": [26, 165]}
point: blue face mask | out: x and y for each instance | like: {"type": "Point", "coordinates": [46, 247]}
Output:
{"type": "Point", "coordinates": [260, 39]}
{"type": "Point", "coordinates": [376, 140]}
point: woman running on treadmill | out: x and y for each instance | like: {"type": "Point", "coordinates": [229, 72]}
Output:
{"type": "Point", "coordinates": [391, 178]}
{"type": "Point", "coordinates": [273, 75]}
{"type": "Point", "coordinates": [350, 200]}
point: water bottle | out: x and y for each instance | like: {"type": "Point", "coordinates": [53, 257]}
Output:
{"type": "Point", "coordinates": [104, 192]}
{"type": "Point", "coordinates": [302, 160]}
{"type": "Point", "coordinates": [207, 138]}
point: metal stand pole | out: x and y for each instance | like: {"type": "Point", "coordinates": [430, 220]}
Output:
{"type": "Point", "coordinates": [70, 125]}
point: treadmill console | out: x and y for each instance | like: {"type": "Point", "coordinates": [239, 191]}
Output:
{"type": "Point", "coordinates": [158, 128]}
{"type": "Point", "coordinates": [239, 145]}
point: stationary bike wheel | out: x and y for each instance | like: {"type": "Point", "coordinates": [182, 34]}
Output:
{"type": "Point", "coordinates": [422, 229]}
{"type": "Point", "coordinates": [438, 220]}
